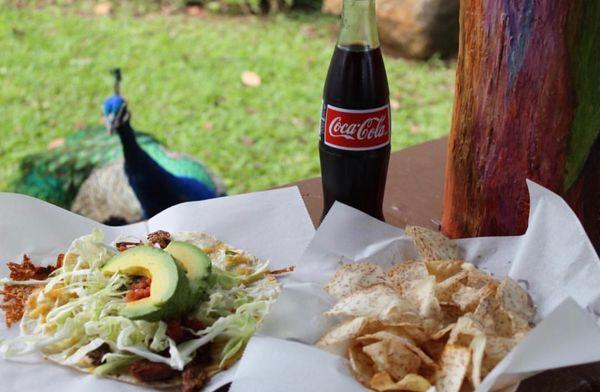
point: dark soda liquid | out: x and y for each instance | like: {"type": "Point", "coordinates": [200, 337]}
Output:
{"type": "Point", "coordinates": [356, 80]}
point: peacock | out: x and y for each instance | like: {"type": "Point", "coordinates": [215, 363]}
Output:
{"type": "Point", "coordinates": [115, 177]}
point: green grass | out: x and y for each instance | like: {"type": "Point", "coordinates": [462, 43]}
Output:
{"type": "Point", "coordinates": [182, 81]}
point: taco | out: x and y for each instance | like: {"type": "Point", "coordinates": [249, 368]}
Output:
{"type": "Point", "coordinates": [170, 311]}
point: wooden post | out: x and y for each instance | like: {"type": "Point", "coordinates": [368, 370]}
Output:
{"type": "Point", "coordinates": [527, 106]}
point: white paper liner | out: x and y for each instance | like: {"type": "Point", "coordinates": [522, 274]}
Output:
{"type": "Point", "coordinates": [554, 259]}
{"type": "Point", "coordinates": [272, 225]}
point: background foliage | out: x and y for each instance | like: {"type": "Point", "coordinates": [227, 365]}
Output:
{"type": "Point", "coordinates": [141, 7]}
{"type": "Point", "coordinates": [182, 80]}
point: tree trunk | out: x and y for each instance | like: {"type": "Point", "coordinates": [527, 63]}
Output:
{"type": "Point", "coordinates": [527, 106]}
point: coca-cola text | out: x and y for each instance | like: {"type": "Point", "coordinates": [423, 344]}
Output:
{"type": "Point", "coordinates": [357, 129]}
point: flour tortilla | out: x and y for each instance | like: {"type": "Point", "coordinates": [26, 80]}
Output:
{"type": "Point", "coordinates": [215, 250]}
{"type": "Point", "coordinates": [171, 384]}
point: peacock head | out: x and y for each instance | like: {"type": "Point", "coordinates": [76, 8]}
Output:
{"type": "Point", "coordinates": [115, 108]}
{"type": "Point", "coordinates": [115, 113]}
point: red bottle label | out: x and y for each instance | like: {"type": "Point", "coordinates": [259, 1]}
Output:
{"type": "Point", "coordinates": [357, 129]}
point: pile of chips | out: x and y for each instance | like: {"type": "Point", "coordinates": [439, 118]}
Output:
{"type": "Point", "coordinates": [437, 322]}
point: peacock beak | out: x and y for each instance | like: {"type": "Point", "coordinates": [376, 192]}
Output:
{"type": "Point", "coordinates": [109, 123]}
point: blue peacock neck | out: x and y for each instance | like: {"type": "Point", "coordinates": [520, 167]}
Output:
{"type": "Point", "coordinates": [150, 182]}
{"type": "Point", "coordinates": [156, 188]}
{"type": "Point", "coordinates": [130, 145]}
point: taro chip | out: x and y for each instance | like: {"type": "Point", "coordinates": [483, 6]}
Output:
{"type": "Point", "coordinates": [382, 335]}
{"type": "Point", "coordinates": [403, 276]}
{"type": "Point", "coordinates": [518, 324]}
{"type": "Point", "coordinates": [503, 323]}
{"type": "Point", "coordinates": [343, 333]}
{"type": "Point", "coordinates": [464, 331]}
{"type": "Point", "coordinates": [401, 312]}
{"type": "Point", "coordinates": [382, 381]}
{"type": "Point", "coordinates": [496, 348]}
{"type": "Point", "coordinates": [413, 331]}
{"type": "Point", "coordinates": [493, 318]}
{"type": "Point", "coordinates": [370, 302]}
{"type": "Point", "coordinates": [484, 314]}
{"type": "Point", "coordinates": [432, 245]}
{"type": "Point", "coordinates": [468, 298]}
{"type": "Point", "coordinates": [378, 352]}
{"type": "Point", "coordinates": [477, 350]}
{"type": "Point", "coordinates": [401, 340]}
{"type": "Point", "coordinates": [443, 269]}
{"type": "Point", "coordinates": [476, 278]}
{"type": "Point", "coordinates": [514, 299]}
{"type": "Point", "coordinates": [443, 332]}
{"type": "Point", "coordinates": [393, 357]}
{"type": "Point", "coordinates": [454, 363]}
{"type": "Point", "coordinates": [402, 360]}
{"type": "Point", "coordinates": [413, 382]}
{"type": "Point", "coordinates": [448, 287]}
{"type": "Point", "coordinates": [424, 292]}
{"type": "Point", "coordinates": [427, 361]}
{"type": "Point", "coordinates": [361, 365]}
{"type": "Point", "coordinates": [353, 277]}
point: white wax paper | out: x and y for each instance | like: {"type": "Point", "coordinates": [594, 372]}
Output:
{"type": "Point", "coordinates": [554, 260]}
{"type": "Point", "coordinates": [272, 225]}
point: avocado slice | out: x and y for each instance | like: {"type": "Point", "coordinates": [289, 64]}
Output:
{"type": "Point", "coordinates": [194, 261]}
{"type": "Point", "coordinates": [170, 292]}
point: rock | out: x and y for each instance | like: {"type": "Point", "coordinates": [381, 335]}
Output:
{"type": "Point", "coordinates": [250, 79]}
{"type": "Point", "coordinates": [414, 28]}
{"type": "Point", "coordinates": [194, 10]}
{"type": "Point", "coordinates": [332, 7]}
{"type": "Point", "coordinates": [419, 28]}
{"type": "Point", "coordinates": [103, 9]}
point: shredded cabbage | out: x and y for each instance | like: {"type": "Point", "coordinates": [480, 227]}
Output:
{"type": "Point", "coordinates": [113, 362]}
{"type": "Point", "coordinates": [83, 308]}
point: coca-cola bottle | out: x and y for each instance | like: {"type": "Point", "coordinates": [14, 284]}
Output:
{"type": "Point", "coordinates": [354, 145]}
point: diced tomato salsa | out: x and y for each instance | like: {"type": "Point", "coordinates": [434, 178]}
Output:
{"type": "Point", "coordinates": [139, 290]}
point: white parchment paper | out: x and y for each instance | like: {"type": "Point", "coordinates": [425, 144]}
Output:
{"type": "Point", "coordinates": [554, 260]}
{"type": "Point", "coordinates": [272, 225]}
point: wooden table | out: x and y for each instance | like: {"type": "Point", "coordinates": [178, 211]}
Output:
{"type": "Point", "coordinates": [414, 194]}
{"type": "Point", "coordinates": [415, 185]}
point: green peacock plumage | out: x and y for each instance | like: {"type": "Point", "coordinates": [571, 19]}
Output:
{"type": "Point", "coordinates": [57, 174]}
